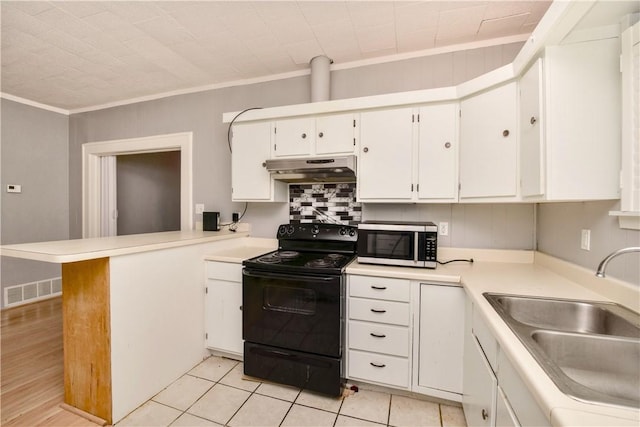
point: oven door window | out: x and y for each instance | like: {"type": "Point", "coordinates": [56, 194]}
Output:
{"type": "Point", "coordinates": [290, 300]}
{"type": "Point", "coordinates": [293, 311]}
{"type": "Point", "coordinates": [387, 244]}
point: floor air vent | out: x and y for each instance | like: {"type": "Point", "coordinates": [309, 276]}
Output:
{"type": "Point", "coordinates": [34, 291]}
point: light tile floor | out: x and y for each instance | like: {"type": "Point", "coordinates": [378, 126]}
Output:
{"type": "Point", "coordinates": [216, 393]}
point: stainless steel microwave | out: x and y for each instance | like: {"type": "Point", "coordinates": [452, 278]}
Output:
{"type": "Point", "coordinates": [409, 244]}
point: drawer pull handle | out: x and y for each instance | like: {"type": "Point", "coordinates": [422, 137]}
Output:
{"type": "Point", "coordinates": [378, 311]}
{"type": "Point", "coordinates": [379, 288]}
{"type": "Point", "coordinates": [376, 365]}
{"type": "Point", "coordinates": [377, 335]}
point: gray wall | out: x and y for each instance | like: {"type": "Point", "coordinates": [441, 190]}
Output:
{"type": "Point", "coordinates": [35, 155]}
{"type": "Point", "coordinates": [559, 232]}
{"type": "Point", "coordinates": [201, 113]}
{"type": "Point", "coordinates": [148, 192]}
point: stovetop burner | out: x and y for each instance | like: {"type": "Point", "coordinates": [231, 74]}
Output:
{"type": "Point", "coordinates": [309, 248]}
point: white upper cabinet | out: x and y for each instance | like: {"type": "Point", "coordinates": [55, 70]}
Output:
{"type": "Point", "coordinates": [488, 145]}
{"type": "Point", "coordinates": [531, 135]}
{"type": "Point", "coordinates": [408, 154]}
{"type": "Point", "coordinates": [385, 161]}
{"type": "Point", "coordinates": [250, 180]}
{"type": "Point", "coordinates": [570, 123]}
{"type": "Point", "coordinates": [438, 153]}
{"type": "Point", "coordinates": [309, 136]}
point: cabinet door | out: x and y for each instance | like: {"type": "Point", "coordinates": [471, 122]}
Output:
{"type": "Point", "coordinates": [294, 137]}
{"type": "Point", "coordinates": [488, 149]}
{"type": "Point", "coordinates": [385, 160]}
{"type": "Point", "coordinates": [479, 385]}
{"type": "Point", "coordinates": [223, 316]}
{"type": "Point", "coordinates": [531, 135]}
{"type": "Point", "coordinates": [441, 337]}
{"type": "Point", "coordinates": [335, 134]}
{"type": "Point", "coordinates": [437, 152]}
{"type": "Point", "coordinates": [250, 180]}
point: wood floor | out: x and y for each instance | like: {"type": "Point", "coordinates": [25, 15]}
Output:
{"type": "Point", "coordinates": [31, 371]}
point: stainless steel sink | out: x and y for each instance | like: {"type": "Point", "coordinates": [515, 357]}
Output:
{"type": "Point", "coordinates": [569, 315]}
{"type": "Point", "coordinates": [591, 350]}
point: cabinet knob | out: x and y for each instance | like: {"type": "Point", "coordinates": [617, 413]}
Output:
{"type": "Point", "coordinates": [365, 149]}
{"type": "Point", "coordinates": [533, 120]}
{"type": "Point", "coordinates": [447, 145]}
{"type": "Point", "coordinates": [505, 133]}
{"type": "Point", "coordinates": [485, 414]}
{"type": "Point", "coordinates": [240, 308]}
{"type": "Point", "coordinates": [321, 134]}
{"type": "Point", "coordinates": [304, 135]}
{"type": "Point", "coordinates": [264, 164]}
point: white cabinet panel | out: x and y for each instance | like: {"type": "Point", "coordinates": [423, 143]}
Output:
{"type": "Point", "coordinates": [385, 160]}
{"type": "Point", "coordinates": [438, 152]}
{"type": "Point", "coordinates": [379, 368]}
{"type": "Point", "coordinates": [308, 136]}
{"type": "Point", "coordinates": [223, 316]}
{"type": "Point", "coordinates": [250, 180]}
{"type": "Point", "coordinates": [488, 144]}
{"type": "Point", "coordinates": [531, 135]}
{"type": "Point", "coordinates": [380, 288]}
{"type": "Point", "coordinates": [379, 338]}
{"type": "Point", "coordinates": [395, 313]}
{"type": "Point", "coordinates": [441, 337]}
{"type": "Point", "coordinates": [479, 396]}
{"type": "Point", "coordinates": [335, 134]}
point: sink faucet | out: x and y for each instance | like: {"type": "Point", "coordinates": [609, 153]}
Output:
{"type": "Point", "coordinates": [603, 264]}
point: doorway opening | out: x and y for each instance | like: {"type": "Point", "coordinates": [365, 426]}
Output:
{"type": "Point", "coordinates": [99, 184]}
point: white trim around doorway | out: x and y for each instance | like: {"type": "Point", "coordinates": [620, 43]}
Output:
{"type": "Point", "coordinates": [91, 167]}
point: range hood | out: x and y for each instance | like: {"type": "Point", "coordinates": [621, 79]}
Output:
{"type": "Point", "coordinates": [317, 169]}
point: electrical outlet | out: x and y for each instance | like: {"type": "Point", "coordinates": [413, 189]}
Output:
{"type": "Point", "coordinates": [443, 228]}
{"type": "Point", "coordinates": [585, 240]}
{"type": "Point", "coordinates": [199, 208]}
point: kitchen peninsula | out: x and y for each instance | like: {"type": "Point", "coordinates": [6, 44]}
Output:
{"type": "Point", "coordinates": [132, 313]}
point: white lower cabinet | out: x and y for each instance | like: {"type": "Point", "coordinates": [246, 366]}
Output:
{"type": "Point", "coordinates": [378, 331]}
{"type": "Point", "coordinates": [493, 392]}
{"type": "Point", "coordinates": [405, 334]}
{"type": "Point", "coordinates": [223, 308]}
{"type": "Point", "coordinates": [441, 340]}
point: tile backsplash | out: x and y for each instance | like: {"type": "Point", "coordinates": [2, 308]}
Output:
{"type": "Point", "coordinates": [334, 203]}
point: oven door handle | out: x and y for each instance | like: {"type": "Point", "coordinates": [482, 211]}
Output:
{"type": "Point", "coordinates": [263, 274]}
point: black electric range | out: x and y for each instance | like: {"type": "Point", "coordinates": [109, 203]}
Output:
{"type": "Point", "coordinates": [293, 306]}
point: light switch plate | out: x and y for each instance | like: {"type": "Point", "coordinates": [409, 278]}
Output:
{"type": "Point", "coordinates": [199, 208]}
{"type": "Point", "coordinates": [443, 228]}
{"type": "Point", "coordinates": [14, 188]}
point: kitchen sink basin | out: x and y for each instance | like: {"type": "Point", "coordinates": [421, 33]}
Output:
{"type": "Point", "coordinates": [589, 349]}
{"type": "Point", "coordinates": [569, 315]}
{"type": "Point", "coordinates": [592, 368]}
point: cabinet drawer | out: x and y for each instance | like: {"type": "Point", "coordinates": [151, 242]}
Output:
{"type": "Point", "coordinates": [379, 338]}
{"type": "Point", "coordinates": [379, 368]}
{"type": "Point", "coordinates": [379, 288]}
{"type": "Point", "coordinates": [395, 313]}
{"type": "Point", "coordinates": [485, 338]}
{"type": "Point", "coordinates": [228, 271]}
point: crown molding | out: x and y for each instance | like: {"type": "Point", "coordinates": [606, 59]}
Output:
{"type": "Point", "coordinates": [31, 103]}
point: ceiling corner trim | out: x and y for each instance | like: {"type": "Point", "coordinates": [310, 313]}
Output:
{"type": "Point", "coordinates": [34, 103]}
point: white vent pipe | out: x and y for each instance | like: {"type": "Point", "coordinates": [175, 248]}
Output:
{"type": "Point", "coordinates": [320, 79]}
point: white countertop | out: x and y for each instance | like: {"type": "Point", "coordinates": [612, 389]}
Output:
{"type": "Point", "coordinates": [540, 276]}
{"type": "Point", "coordinates": [237, 251]}
{"type": "Point", "coordinates": [63, 251]}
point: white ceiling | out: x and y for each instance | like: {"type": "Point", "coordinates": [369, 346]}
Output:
{"type": "Point", "coordinates": [78, 54]}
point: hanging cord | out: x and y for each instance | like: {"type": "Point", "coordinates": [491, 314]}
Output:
{"type": "Point", "coordinates": [233, 226]}
{"type": "Point", "coordinates": [233, 120]}
{"type": "Point", "coordinates": [470, 260]}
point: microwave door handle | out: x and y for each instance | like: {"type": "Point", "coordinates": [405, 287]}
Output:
{"type": "Point", "coordinates": [416, 245]}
